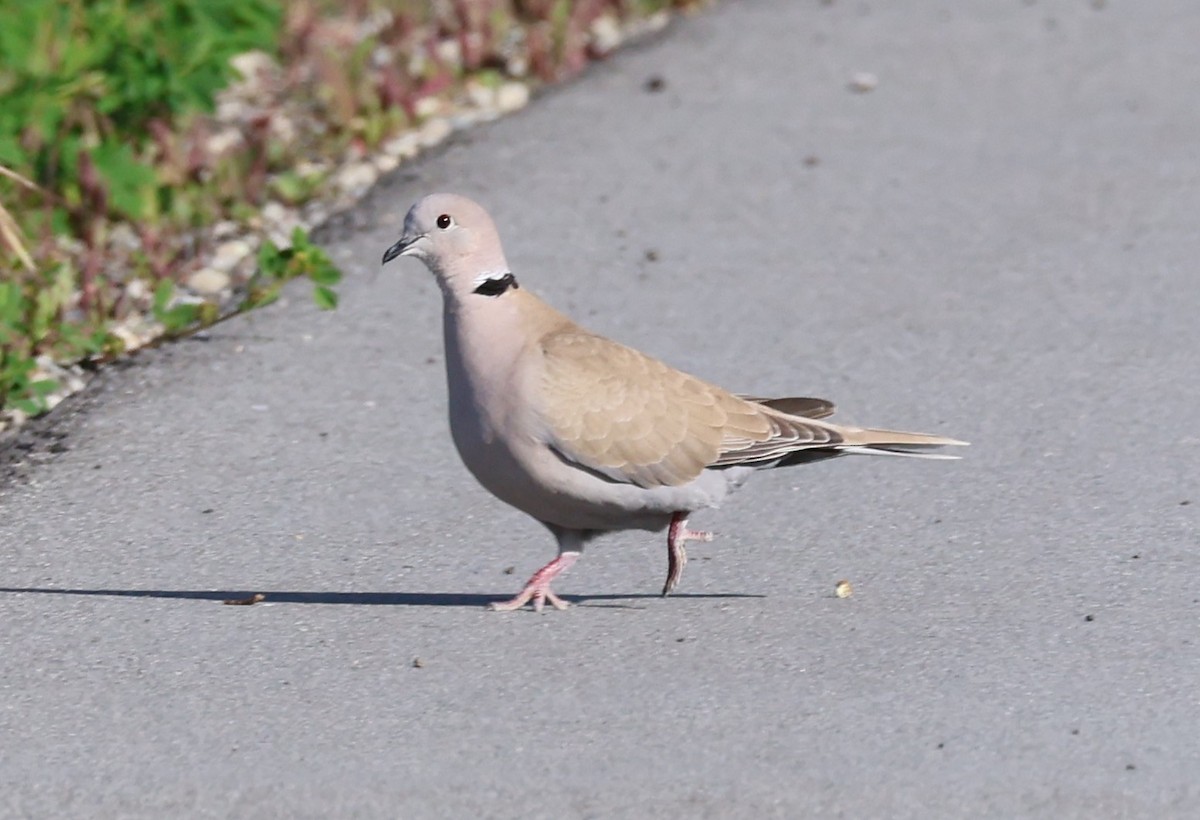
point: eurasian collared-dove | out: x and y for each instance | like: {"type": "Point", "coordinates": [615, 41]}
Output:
{"type": "Point", "coordinates": [587, 435]}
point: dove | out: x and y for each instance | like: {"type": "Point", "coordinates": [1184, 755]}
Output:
{"type": "Point", "coordinates": [589, 436]}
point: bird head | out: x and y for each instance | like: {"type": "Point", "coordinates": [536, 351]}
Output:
{"type": "Point", "coordinates": [457, 241]}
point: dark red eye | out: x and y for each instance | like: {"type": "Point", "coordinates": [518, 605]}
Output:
{"type": "Point", "coordinates": [443, 221]}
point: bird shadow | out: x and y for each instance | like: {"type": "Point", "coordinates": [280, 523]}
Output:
{"type": "Point", "coordinates": [435, 599]}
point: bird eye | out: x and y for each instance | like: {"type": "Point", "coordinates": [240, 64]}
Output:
{"type": "Point", "coordinates": [444, 221]}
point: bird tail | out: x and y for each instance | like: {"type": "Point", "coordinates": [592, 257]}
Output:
{"type": "Point", "coordinates": [871, 442]}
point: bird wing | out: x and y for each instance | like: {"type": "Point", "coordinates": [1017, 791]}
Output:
{"type": "Point", "coordinates": [806, 407]}
{"type": "Point", "coordinates": [635, 420]}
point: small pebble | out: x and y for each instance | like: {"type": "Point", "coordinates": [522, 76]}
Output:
{"type": "Point", "coordinates": [606, 34]}
{"type": "Point", "coordinates": [228, 254]}
{"type": "Point", "coordinates": [355, 179]}
{"type": "Point", "coordinates": [512, 96]}
{"type": "Point", "coordinates": [418, 663]}
{"type": "Point", "coordinates": [251, 601]}
{"type": "Point", "coordinates": [843, 589]}
{"type": "Point", "coordinates": [863, 82]}
{"type": "Point", "coordinates": [435, 131]}
{"type": "Point", "coordinates": [208, 281]}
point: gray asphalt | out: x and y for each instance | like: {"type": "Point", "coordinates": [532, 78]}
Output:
{"type": "Point", "coordinates": [999, 243]}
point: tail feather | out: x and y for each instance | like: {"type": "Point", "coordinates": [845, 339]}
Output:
{"type": "Point", "coordinates": [897, 443]}
{"type": "Point", "coordinates": [887, 451]}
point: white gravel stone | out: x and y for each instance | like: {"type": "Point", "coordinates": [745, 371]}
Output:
{"type": "Point", "coordinates": [137, 290]}
{"type": "Point", "coordinates": [316, 212]}
{"type": "Point", "coordinates": [252, 64]}
{"type": "Point", "coordinates": [130, 340]}
{"type": "Point", "coordinates": [69, 377]}
{"type": "Point", "coordinates": [517, 66]}
{"type": "Point", "coordinates": [658, 21]}
{"type": "Point", "coordinates": [308, 168]}
{"type": "Point", "coordinates": [512, 96]}
{"type": "Point", "coordinates": [480, 95]}
{"type": "Point", "coordinates": [606, 34]}
{"type": "Point", "coordinates": [208, 281]}
{"type": "Point", "coordinates": [404, 146]}
{"type": "Point", "coordinates": [225, 229]}
{"type": "Point", "coordinates": [280, 221]}
{"type": "Point", "coordinates": [224, 142]}
{"type": "Point", "coordinates": [356, 178]}
{"type": "Point", "coordinates": [283, 128]}
{"type": "Point", "coordinates": [468, 118]}
{"type": "Point", "coordinates": [123, 236]}
{"type": "Point", "coordinates": [385, 163]}
{"type": "Point", "coordinates": [450, 52]}
{"type": "Point", "coordinates": [427, 107]}
{"type": "Point", "coordinates": [228, 254]}
{"type": "Point", "coordinates": [434, 132]}
{"type": "Point", "coordinates": [234, 109]}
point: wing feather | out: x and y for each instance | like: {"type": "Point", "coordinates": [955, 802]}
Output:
{"type": "Point", "coordinates": [635, 420]}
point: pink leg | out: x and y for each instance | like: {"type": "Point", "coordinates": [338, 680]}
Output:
{"type": "Point", "coordinates": [538, 587]}
{"type": "Point", "coordinates": [677, 535]}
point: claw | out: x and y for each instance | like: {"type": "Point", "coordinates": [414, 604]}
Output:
{"type": "Point", "coordinates": [677, 535]}
{"type": "Point", "coordinates": [538, 587]}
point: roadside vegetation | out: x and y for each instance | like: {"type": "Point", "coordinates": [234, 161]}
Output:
{"type": "Point", "coordinates": [161, 161]}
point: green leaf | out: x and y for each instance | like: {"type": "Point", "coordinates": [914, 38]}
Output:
{"type": "Point", "coordinates": [260, 297]}
{"type": "Point", "coordinates": [291, 188]}
{"type": "Point", "coordinates": [325, 298]}
{"type": "Point", "coordinates": [325, 274]}
{"type": "Point", "coordinates": [300, 241]}
{"type": "Point", "coordinates": [272, 261]}
{"type": "Point", "coordinates": [29, 407]}
{"type": "Point", "coordinates": [130, 183]}
{"type": "Point", "coordinates": [163, 292]}
{"type": "Point", "coordinates": [180, 317]}
{"type": "Point", "coordinates": [43, 387]}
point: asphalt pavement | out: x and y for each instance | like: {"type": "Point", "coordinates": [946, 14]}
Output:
{"type": "Point", "coordinates": [998, 242]}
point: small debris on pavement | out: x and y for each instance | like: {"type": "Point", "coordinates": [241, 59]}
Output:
{"type": "Point", "coordinates": [843, 589]}
{"type": "Point", "coordinates": [863, 82]}
{"type": "Point", "coordinates": [251, 601]}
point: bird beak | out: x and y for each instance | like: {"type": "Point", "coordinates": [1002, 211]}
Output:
{"type": "Point", "coordinates": [400, 248]}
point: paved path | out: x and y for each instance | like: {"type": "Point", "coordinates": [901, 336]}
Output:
{"type": "Point", "coordinates": [999, 242]}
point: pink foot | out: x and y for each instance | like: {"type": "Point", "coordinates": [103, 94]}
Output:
{"type": "Point", "coordinates": [538, 588]}
{"type": "Point", "coordinates": [677, 535]}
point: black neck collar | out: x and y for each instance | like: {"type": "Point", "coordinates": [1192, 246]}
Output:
{"type": "Point", "coordinates": [494, 287]}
